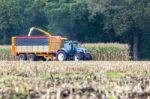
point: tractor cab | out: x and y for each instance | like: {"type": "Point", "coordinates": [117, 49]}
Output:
{"type": "Point", "coordinates": [71, 51]}
{"type": "Point", "coordinates": [70, 46]}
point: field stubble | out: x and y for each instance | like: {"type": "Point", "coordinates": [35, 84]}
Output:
{"type": "Point", "coordinates": [75, 80]}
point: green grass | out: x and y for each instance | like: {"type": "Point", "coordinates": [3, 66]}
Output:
{"type": "Point", "coordinates": [114, 74]}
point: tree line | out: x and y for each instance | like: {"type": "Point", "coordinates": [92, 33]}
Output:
{"type": "Point", "coordinates": [123, 21]}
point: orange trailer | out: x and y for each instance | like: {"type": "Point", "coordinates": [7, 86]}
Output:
{"type": "Point", "coordinates": [31, 47]}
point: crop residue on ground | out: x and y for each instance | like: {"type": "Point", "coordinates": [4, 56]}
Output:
{"type": "Point", "coordinates": [74, 80]}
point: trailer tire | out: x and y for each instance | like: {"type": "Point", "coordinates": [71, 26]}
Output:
{"type": "Point", "coordinates": [31, 57]}
{"type": "Point", "coordinates": [61, 56]}
{"type": "Point", "coordinates": [22, 57]}
{"type": "Point", "coordinates": [78, 57]}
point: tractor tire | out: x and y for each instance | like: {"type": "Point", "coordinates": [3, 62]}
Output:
{"type": "Point", "coordinates": [61, 56]}
{"type": "Point", "coordinates": [88, 56]}
{"type": "Point", "coordinates": [31, 57]}
{"type": "Point", "coordinates": [22, 57]}
{"type": "Point", "coordinates": [78, 57]}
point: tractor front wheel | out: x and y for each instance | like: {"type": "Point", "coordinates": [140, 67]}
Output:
{"type": "Point", "coordinates": [88, 56]}
{"type": "Point", "coordinates": [61, 56]}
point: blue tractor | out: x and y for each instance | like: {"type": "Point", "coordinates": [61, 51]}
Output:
{"type": "Point", "coordinates": [70, 50]}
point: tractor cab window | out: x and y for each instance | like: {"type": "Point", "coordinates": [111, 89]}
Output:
{"type": "Point", "coordinates": [67, 46]}
{"type": "Point", "coordinates": [75, 45]}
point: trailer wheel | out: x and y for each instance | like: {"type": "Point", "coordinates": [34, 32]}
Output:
{"type": "Point", "coordinates": [22, 57]}
{"type": "Point", "coordinates": [88, 56]}
{"type": "Point", "coordinates": [31, 57]}
{"type": "Point", "coordinates": [78, 57]}
{"type": "Point", "coordinates": [61, 56]}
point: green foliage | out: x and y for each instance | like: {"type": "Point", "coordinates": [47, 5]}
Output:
{"type": "Point", "coordinates": [10, 17]}
{"type": "Point", "coordinates": [127, 18]}
{"type": "Point", "coordinates": [17, 16]}
{"type": "Point", "coordinates": [121, 15]}
{"type": "Point", "coordinates": [63, 15]}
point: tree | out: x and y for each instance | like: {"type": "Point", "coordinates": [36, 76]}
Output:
{"type": "Point", "coordinates": [62, 14]}
{"type": "Point", "coordinates": [70, 18]}
{"type": "Point", "coordinates": [124, 17]}
{"type": "Point", "coordinates": [10, 17]}
{"type": "Point", "coordinates": [17, 16]}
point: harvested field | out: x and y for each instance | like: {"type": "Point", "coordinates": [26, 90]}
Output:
{"type": "Point", "coordinates": [75, 80]}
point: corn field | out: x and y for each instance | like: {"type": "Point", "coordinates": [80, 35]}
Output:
{"type": "Point", "coordinates": [74, 80]}
{"type": "Point", "coordinates": [108, 52]}
{"type": "Point", "coordinates": [100, 51]}
{"type": "Point", "coordinates": [5, 53]}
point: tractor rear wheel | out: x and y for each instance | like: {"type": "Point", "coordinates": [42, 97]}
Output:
{"type": "Point", "coordinates": [78, 57]}
{"type": "Point", "coordinates": [88, 56]}
{"type": "Point", "coordinates": [31, 57]}
{"type": "Point", "coordinates": [61, 56]}
{"type": "Point", "coordinates": [22, 57]}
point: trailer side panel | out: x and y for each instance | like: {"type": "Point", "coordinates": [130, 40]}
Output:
{"type": "Point", "coordinates": [32, 45]}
